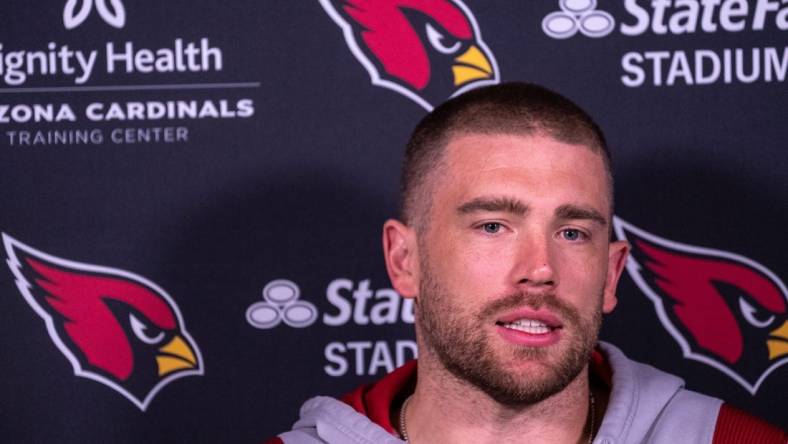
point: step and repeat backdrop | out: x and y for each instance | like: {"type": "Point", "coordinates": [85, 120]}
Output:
{"type": "Point", "coordinates": [192, 194]}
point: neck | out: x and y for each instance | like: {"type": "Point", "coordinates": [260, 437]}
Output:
{"type": "Point", "coordinates": [446, 409]}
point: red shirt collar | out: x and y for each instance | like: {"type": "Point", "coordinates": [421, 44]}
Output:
{"type": "Point", "coordinates": [375, 400]}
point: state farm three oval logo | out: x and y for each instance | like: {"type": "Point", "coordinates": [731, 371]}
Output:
{"type": "Point", "coordinates": [723, 309]}
{"type": "Point", "coordinates": [281, 303]}
{"type": "Point", "coordinates": [113, 326]}
{"type": "Point", "coordinates": [578, 15]}
{"type": "Point", "coordinates": [427, 51]}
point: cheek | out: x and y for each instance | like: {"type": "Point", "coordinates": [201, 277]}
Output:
{"type": "Point", "coordinates": [582, 274]}
{"type": "Point", "coordinates": [481, 264]}
{"type": "Point", "coordinates": [471, 273]}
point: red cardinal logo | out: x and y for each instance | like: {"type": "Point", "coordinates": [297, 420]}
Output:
{"type": "Point", "coordinates": [113, 326]}
{"type": "Point", "coordinates": [723, 309]}
{"type": "Point", "coordinates": [427, 50]}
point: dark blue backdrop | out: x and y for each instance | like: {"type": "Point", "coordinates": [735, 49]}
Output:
{"type": "Point", "coordinates": [282, 164]}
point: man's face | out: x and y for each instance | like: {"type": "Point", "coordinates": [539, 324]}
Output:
{"type": "Point", "coordinates": [516, 264]}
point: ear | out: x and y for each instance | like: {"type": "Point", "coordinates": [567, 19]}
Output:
{"type": "Point", "coordinates": [402, 259]}
{"type": "Point", "coordinates": [618, 252]}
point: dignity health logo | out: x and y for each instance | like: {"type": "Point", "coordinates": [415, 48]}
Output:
{"type": "Point", "coordinates": [114, 15]}
{"type": "Point", "coordinates": [124, 67]}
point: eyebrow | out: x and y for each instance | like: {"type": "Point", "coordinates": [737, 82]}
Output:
{"type": "Point", "coordinates": [575, 212]}
{"type": "Point", "coordinates": [494, 204]}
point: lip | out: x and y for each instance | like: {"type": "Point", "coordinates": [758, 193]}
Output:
{"type": "Point", "coordinates": [545, 316]}
{"type": "Point", "coordinates": [528, 339]}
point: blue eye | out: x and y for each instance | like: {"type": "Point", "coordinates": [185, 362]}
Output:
{"type": "Point", "coordinates": [572, 235]}
{"type": "Point", "coordinates": [491, 227]}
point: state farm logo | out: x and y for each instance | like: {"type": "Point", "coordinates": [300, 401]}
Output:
{"type": "Point", "coordinates": [350, 302]}
{"type": "Point", "coordinates": [578, 15]}
{"type": "Point", "coordinates": [113, 326]}
{"type": "Point", "coordinates": [666, 17]}
{"type": "Point", "coordinates": [681, 19]}
{"type": "Point", "coordinates": [723, 309]}
{"type": "Point", "coordinates": [280, 303]}
{"type": "Point", "coordinates": [353, 302]}
{"type": "Point", "coordinates": [426, 51]}
{"type": "Point", "coordinates": [114, 13]}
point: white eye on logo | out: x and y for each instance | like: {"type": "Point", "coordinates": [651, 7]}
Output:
{"type": "Point", "coordinates": [281, 304]}
{"type": "Point", "coordinates": [749, 313]}
{"type": "Point", "coordinates": [437, 41]}
{"type": "Point", "coordinates": [578, 15]}
{"type": "Point", "coordinates": [116, 16]}
{"type": "Point", "coordinates": [140, 330]}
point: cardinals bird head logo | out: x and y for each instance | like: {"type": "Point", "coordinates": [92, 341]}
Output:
{"type": "Point", "coordinates": [427, 50]}
{"type": "Point", "coordinates": [723, 309]}
{"type": "Point", "coordinates": [114, 327]}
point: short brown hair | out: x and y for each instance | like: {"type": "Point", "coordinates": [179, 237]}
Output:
{"type": "Point", "coordinates": [509, 108]}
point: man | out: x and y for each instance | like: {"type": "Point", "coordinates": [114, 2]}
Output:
{"type": "Point", "coordinates": [505, 244]}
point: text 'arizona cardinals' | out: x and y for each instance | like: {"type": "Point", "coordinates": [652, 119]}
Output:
{"type": "Point", "coordinates": [114, 327]}
{"type": "Point", "coordinates": [724, 310]}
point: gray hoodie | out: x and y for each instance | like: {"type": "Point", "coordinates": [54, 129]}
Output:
{"type": "Point", "coordinates": [646, 406]}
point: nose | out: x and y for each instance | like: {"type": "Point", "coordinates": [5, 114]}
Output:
{"type": "Point", "coordinates": [534, 263]}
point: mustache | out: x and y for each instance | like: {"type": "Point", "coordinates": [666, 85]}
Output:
{"type": "Point", "coordinates": [531, 300]}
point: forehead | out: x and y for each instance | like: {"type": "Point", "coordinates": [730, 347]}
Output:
{"type": "Point", "coordinates": [529, 167]}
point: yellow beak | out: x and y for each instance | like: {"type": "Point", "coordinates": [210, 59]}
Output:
{"type": "Point", "coordinates": [175, 355]}
{"type": "Point", "coordinates": [778, 342]}
{"type": "Point", "coordinates": [471, 65]}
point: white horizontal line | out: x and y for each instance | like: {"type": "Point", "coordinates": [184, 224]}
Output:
{"type": "Point", "coordinates": [132, 87]}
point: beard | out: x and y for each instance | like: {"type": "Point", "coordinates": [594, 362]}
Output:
{"type": "Point", "coordinates": [463, 347]}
